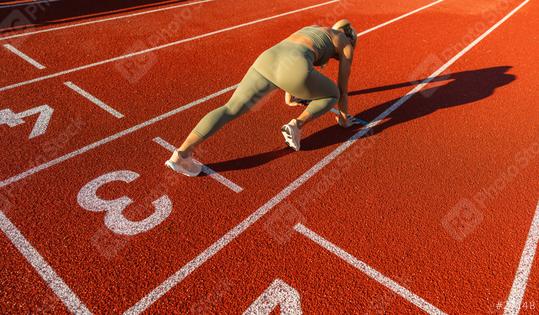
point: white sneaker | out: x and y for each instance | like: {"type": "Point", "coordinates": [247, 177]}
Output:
{"type": "Point", "coordinates": [185, 166]}
{"type": "Point", "coordinates": [292, 134]}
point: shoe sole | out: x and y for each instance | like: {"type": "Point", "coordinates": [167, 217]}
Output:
{"type": "Point", "coordinates": [287, 134]}
{"type": "Point", "coordinates": [178, 169]}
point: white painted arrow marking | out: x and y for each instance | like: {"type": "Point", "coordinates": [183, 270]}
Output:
{"type": "Point", "coordinates": [278, 293]}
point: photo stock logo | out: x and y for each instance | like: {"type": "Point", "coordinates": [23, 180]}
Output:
{"type": "Point", "coordinates": [280, 224]}
{"type": "Point", "coordinates": [107, 243]}
{"type": "Point", "coordinates": [462, 219]}
{"type": "Point", "coordinates": [426, 68]}
{"type": "Point", "coordinates": [23, 18]}
{"type": "Point", "coordinates": [467, 214]}
{"type": "Point", "coordinates": [134, 68]}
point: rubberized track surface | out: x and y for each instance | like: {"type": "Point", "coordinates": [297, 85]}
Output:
{"type": "Point", "coordinates": [431, 207]}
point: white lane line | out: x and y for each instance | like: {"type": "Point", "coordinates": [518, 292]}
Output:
{"type": "Point", "coordinates": [55, 282]}
{"type": "Point", "coordinates": [213, 174]}
{"type": "Point", "coordinates": [12, 86]}
{"type": "Point", "coordinates": [368, 270]}
{"type": "Point", "coordinates": [514, 301]}
{"type": "Point", "coordinates": [213, 249]}
{"type": "Point", "coordinates": [102, 20]}
{"type": "Point", "coordinates": [94, 145]}
{"type": "Point", "coordinates": [24, 56]}
{"type": "Point", "coordinates": [145, 51]}
{"type": "Point", "coordinates": [118, 135]}
{"type": "Point", "coordinates": [399, 18]}
{"type": "Point", "coordinates": [93, 99]}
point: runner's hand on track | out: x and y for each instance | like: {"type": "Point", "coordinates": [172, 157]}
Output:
{"type": "Point", "coordinates": [347, 122]}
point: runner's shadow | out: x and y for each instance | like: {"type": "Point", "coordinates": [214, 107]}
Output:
{"type": "Point", "coordinates": [462, 88]}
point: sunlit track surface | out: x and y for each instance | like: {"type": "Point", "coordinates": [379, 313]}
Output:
{"type": "Point", "coordinates": [429, 206]}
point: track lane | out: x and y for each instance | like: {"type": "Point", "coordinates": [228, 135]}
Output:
{"type": "Point", "coordinates": [419, 169]}
{"type": "Point", "coordinates": [157, 92]}
{"type": "Point", "coordinates": [72, 48]}
{"type": "Point", "coordinates": [297, 262]}
{"type": "Point", "coordinates": [224, 136]}
{"type": "Point", "coordinates": [404, 187]}
{"type": "Point", "coordinates": [28, 27]}
{"type": "Point", "coordinates": [69, 203]}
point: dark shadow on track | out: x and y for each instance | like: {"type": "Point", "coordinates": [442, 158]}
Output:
{"type": "Point", "coordinates": [462, 88]}
{"type": "Point", "coordinates": [49, 13]}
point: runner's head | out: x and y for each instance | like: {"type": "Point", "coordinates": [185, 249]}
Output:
{"type": "Point", "coordinates": [346, 27]}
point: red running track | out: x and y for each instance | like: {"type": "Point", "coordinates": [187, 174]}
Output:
{"type": "Point", "coordinates": [429, 211]}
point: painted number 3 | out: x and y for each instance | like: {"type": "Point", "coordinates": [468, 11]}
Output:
{"type": "Point", "coordinates": [114, 218]}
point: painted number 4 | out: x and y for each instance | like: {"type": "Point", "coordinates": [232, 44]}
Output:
{"type": "Point", "coordinates": [114, 218]}
{"type": "Point", "coordinates": [8, 117]}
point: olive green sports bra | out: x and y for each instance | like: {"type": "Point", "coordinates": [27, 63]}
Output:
{"type": "Point", "coordinates": [321, 42]}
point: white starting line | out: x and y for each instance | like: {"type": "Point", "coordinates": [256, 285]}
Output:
{"type": "Point", "coordinates": [211, 173]}
{"type": "Point", "coordinates": [368, 270]}
{"type": "Point", "coordinates": [24, 56]}
{"type": "Point", "coordinates": [93, 99]}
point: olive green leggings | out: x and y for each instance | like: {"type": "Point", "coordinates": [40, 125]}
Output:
{"type": "Point", "coordinates": [288, 66]}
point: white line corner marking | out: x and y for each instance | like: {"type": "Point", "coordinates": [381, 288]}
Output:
{"type": "Point", "coordinates": [514, 301]}
{"type": "Point", "coordinates": [213, 174]}
{"type": "Point", "coordinates": [113, 137]}
{"type": "Point", "coordinates": [24, 56]}
{"type": "Point", "coordinates": [93, 99]}
{"type": "Point", "coordinates": [213, 249]}
{"type": "Point", "coordinates": [55, 282]}
{"type": "Point", "coordinates": [368, 270]}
